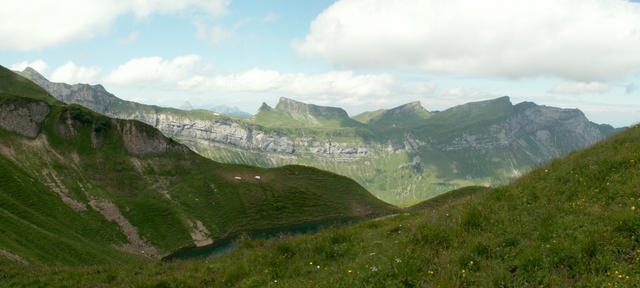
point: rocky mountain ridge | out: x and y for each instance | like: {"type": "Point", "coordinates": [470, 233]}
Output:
{"type": "Point", "coordinates": [401, 154]}
{"type": "Point", "coordinates": [86, 189]}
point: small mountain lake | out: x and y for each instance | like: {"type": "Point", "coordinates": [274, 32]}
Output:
{"type": "Point", "coordinates": [226, 245]}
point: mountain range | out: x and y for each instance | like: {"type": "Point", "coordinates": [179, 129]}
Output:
{"type": "Point", "coordinates": [401, 155]}
{"type": "Point", "coordinates": [78, 187]}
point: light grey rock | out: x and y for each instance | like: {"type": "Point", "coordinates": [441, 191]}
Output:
{"type": "Point", "coordinates": [23, 118]}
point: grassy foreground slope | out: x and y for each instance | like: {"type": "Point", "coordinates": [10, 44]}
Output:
{"type": "Point", "coordinates": [572, 222]}
{"type": "Point", "coordinates": [85, 189]}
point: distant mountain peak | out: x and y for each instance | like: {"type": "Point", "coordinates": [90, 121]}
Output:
{"type": "Point", "coordinates": [291, 105]}
{"type": "Point", "coordinates": [33, 74]}
{"type": "Point", "coordinates": [414, 106]}
{"type": "Point", "coordinates": [186, 106]}
{"type": "Point", "coordinates": [297, 107]}
{"type": "Point", "coordinates": [264, 108]}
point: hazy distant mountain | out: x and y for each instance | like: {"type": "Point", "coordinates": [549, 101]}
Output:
{"type": "Point", "coordinates": [402, 154]}
{"type": "Point", "coordinates": [228, 110]}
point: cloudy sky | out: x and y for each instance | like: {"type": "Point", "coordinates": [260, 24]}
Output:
{"type": "Point", "coordinates": [357, 54]}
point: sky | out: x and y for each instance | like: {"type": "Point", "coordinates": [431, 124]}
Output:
{"type": "Point", "coordinates": [360, 55]}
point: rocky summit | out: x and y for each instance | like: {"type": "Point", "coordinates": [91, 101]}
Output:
{"type": "Point", "coordinates": [401, 155]}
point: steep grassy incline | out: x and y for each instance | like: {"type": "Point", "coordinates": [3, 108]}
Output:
{"type": "Point", "coordinates": [84, 188]}
{"type": "Point", "coordinates": [12, 83]}
{"type": "Point", "coordinates": [572, 222]}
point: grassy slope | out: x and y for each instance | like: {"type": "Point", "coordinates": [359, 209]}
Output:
{"type": "Point", "coordinates": [365, 117]}
{"type": "Point", "coordinates": [199, 190]}
{"type": "Point", "coordinates": [389, 176]}
{"type": "Point", "coordinates": [572, 222]}
{"type": "Point", "coordinates": [12, 83]}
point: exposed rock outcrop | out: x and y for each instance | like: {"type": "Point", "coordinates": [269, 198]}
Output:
{"type": "Point", "coordinates": [23, 118]}
{"type": "Point", "coordinates": [141, 140]}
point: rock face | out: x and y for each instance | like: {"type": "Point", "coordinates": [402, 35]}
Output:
{"type": "Point", "coordinates": [540, 131]}
{"type": "Point", "coordinates": [23, 118]}
{"type": "Point", "coordinates": [140, 140]}
{"type": "Point", "coordinates": [303, 109]}
{"type": "Point", "coordinates": [94, 97]}
{"type": "Point", "coordinates": [399, 154]}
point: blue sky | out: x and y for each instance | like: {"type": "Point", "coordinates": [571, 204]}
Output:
{"type": "Point", "coordinates": [357, 54]}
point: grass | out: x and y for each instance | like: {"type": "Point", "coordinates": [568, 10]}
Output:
{"type": "Point", "coordinates": [393, 138]}
{"type": "Point", "coordinates": [12, 83]}
{"type": "Point", "coordinates": [83, 155]}
{"type": "Point", "coordinates": [572, 222]}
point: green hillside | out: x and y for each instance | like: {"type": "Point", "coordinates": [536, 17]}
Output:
{"type": "Point", "coordinates": [397, 120]}
{"type": "Point", "coordinates": [293, 114]}
{"type": "Point", "coordinates": [88, 189]}
{"type": "Point", "coordinates": [572, 222]}
{"type": "Point", "coordinates": [401, 155]}
{"type": "Point", "coordinates": [12, 83]}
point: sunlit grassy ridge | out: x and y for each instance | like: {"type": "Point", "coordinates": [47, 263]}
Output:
{"type": "Point", "coordinates": [572, 222]}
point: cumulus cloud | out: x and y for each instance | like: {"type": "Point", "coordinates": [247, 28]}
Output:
{"type": "Point", "coordinates": [575, 39]}
{"type": "Point", "coordinates": [153, 70]}
{"type": "Point", "coordinates": [189, 74]}
{"type": "Point", "coordinates": [72, 73]}
{"type": "Point", "coordinates": [36, 24]}
{"type": "Point", "coordinates": [38, 65]}
{"type": "Point", "coordinates": [335, 86]}
{"type": "Point", "coordinates": [580, 88]}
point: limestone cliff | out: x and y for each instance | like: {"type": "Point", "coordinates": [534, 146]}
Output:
{"type": "Point", "coordinates": [399, 154]}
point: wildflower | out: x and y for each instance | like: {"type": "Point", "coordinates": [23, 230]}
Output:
{"type": "Point", "coordinates": [471, 262]}
{"type": "Point", "coordinates": [275, 281]}
{"type": "Point", "coordinates": [398, 260]}
{"type": "Point", "coordinates": [318, 267]}
{"type": "Point", "coordinates": [463, 271]}
{"type": "Point", "coordinates": [633, 207]}
{"type": "Point", "coordinates": [349, 271]}
{"type": "Point", "coordinates": [310, 263]}
{"type": "Point", "coordinates": [430, 272]}
{"type": "Point", "coordinates": [374, 268]}
{"type": "Point", "coordinates": [372, 253]}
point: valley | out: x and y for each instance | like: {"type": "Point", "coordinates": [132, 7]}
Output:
{"type": "Point", "coordinates": [80, 188]}
{"type": "Point", "coordinates": [571, 222]}
{"type": "Point", "coordinates": [401, 155]}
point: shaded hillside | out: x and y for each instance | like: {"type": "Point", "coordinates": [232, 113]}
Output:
{"type": "Point", "coordinates": [574, 222]}
{"type": "Point", "coordinates": [81, 188]}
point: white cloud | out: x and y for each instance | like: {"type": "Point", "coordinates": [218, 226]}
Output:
{"type": "Point", "coordinates": [38, 65]}
{"type": "Point", "coordinates": [575, 39]}
{"type": "Point", "coordinates": [580, 88]}
{"type": "Point", "coordinates": [153, 70]}
{"type": "Point", "coordinates": [71, 73]}
{"type": "Point", "coordinates": [36, 24]}
{"type": "Point", "coordinates": [337, 87]}
{"type": "Point", "coordinates": [189, 74]}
